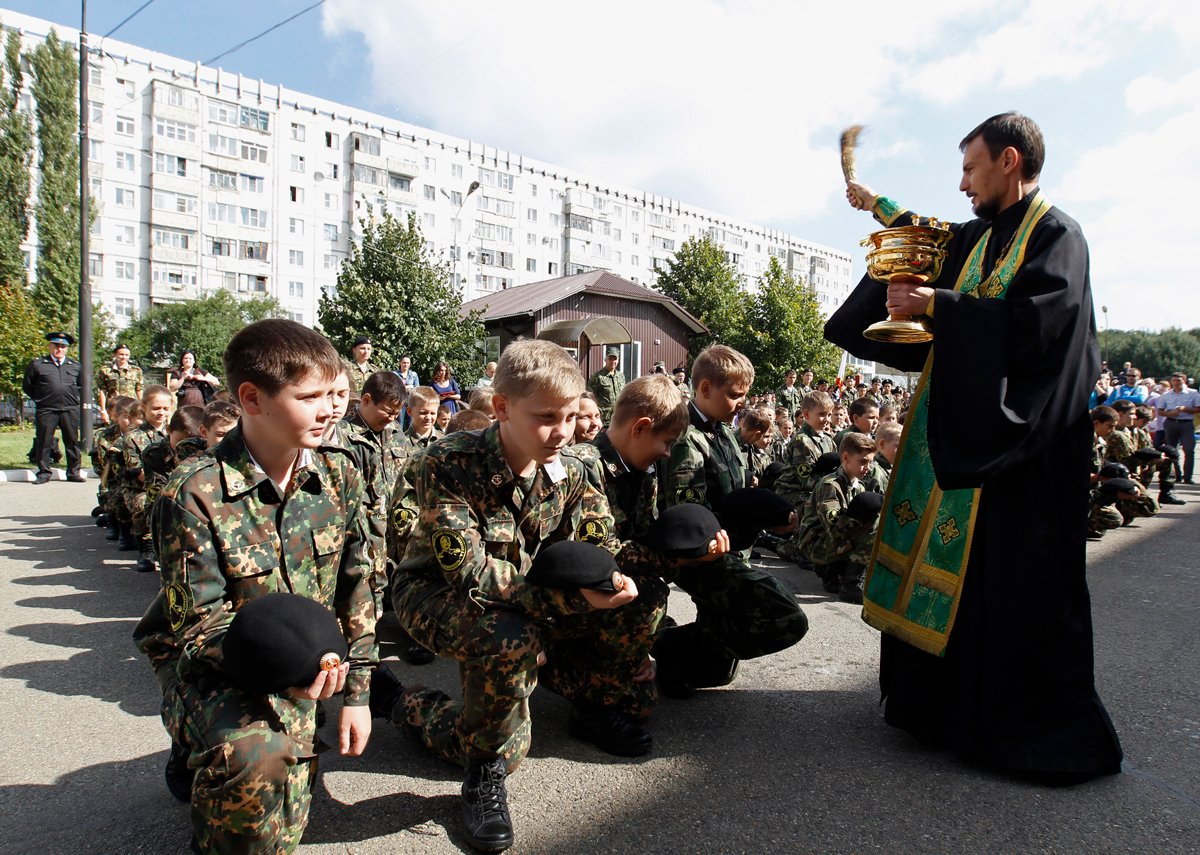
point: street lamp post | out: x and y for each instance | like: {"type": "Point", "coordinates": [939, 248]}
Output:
{"type": "Point", "coordinates": [1104, 309]}
{"type": "Point", "coordinates": [454, 248]}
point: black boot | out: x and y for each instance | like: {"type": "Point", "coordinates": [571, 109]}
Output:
{"type": "Point", "coordinates": [485, 806]}
{"type": "Point", "coordinates": [386, 690]}
{"type": "Point", "coordinates": [851, 590]}
{"type": "Point", "coordinates": [609, 730]}
{"type": "Point", "coordinates": [126, 542]}
{"type": "Point", "coordinates": [1169, 498]}
{"type": "Point", "coordinates": [179, 776]}
{"type": "Point", "coordinates": [112, 529]}
{"type": "Point", "coordinates": [412, 652]}
{"type": "Point", "coordinates": [831, 576]}
{"type": "Point", "coordinates": [674, 664]}
{"type": "Point", "coordinates": [146, 557]}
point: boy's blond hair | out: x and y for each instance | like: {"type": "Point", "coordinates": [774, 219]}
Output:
{"type": "Point", "coordinates": [420, 396]}
{"type": "Point", "coordinates": [888, 432]}
{"type": "Point", "coordinates": [468, 420]}
{"type": "Point", "coordinates": [856, 443]}
{"type": "Point", "coordinates": [153, 391]}
{"type": "Point", "coordinates": [721, 365]}
{"type": "Point", "coordinates": [481, 399]}
{"type": "Point", "coordinates": [529, 365]}
{"type": "Point", "coordinates": [816, 400]}
{"type": "Point", "coordinates": [654, 397]}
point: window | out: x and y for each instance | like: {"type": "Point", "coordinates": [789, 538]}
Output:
{"type": "Point", "coordinates": [330, 261]}
{"type": "Point", "coordinates": [180, 131]}
{"type": "Point", "coordinates": [493, 232]}
{"type": "Point", "coordinates": [254, 218]}
{"type": "Point", "coordinates": [296, 257]}
{"type": "Point", "coordinates": [254, 250]}
{"type": "Point", "coordinates": [221, 144]}
{"type": "Point", "coordinates": [333, 141]}
{"type": "Point", "coordinates": [296, 194]}
{"type": "Point", "coordinates": [173, 238]}
{"type": "Point", "coordinates": [367, 145]}
{"type": "Point", "coordinates": [297, 132]}
{"type": "Point", "coordinates": [531, 214]}
{"type": "Point", "coordinates": [555, 219]}
{"type": "Point", "coordinates": [173, 275]}
{"type": "Point", "coordinates": [533, 190]}
{"type": "Point", "coordinates": [170, 164]}
{"type": "Point", "coordinates": [219, 179]}
{"type": "Point", "coordinates": [430, 192]}
{"type": "Point", "coordinates": [95, 150]}
{"type": "Point", "coordinates": [176, 202]}
{"type": "Point", "coordinates": [173, 95]}
{"type": "Point", "coordinates": [551, 267]}
{"type": "Point", "coordinates": [124, 197]}
{"type": "Point", "coordinates": [504, 181]}
{"type": "Point", "coordinates": [126, 161]}
{"type": "Point", "coordinates": [125, 126]}
{"type": "Point", "coordinates": [295, 289]}
{"type": "Point", "coordinates": [95, 111]}
{"type": "Point", "coordinates": [124, 235]}
{"type": "Point", "coordinates": [429, 220]}
{"type": "Point", "coordinates": [228, 280]}
{"type": "Point", "coordinates": [456, 170]}
{"type": "Point", "coordinates": [95, 264]}
{"type": "Point", "coordinates": [531, 239]}
{"type": "Point", "coordinates": [257, 120]}
{"type": "Point", "coordinates": [367, 174]}
{"type": "Point", "coordinates": [95, 75]}
{"type": "Point", "coordinates": [431, 164]}
{"type": "Point", "coordinates": [331, 202]}
{"type": "Point", "coordinates": [297, 163]}
{"type": "Point", "coordinates": [124, 270]}
{"type": "Point", "coordinates": [331, 171]}
{"type": "Point", "coordinates": [295, 226]}
{"type": "Point", "coordinates": [222, 113]}
{"type": "Point", "coordinates": [123, 307]}
{"type": "Point", "coordinates": [252, 183]}
{"type": "Point", "coordinates": [331, 231]}
{"type": "Point", "coordinates": [257, 153]}
{"type": "Point", "coordinates": [298, 317]}
{"type": "Point", "coordinates": [531, 265]}
{"type": "Point", "coordinates": [251, 283]}
{"type": "Point", "coordinates": [222, 246]}
{"type": "Point", "coordinates": [456, 198]}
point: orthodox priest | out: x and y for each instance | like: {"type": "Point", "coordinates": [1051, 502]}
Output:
{"type": "Point", "coordinates": [977, 578]}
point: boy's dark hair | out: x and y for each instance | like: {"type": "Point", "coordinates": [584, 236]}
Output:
{"type": "Point", "coordinates": [384, 387]}
{"type": "Point", "coordinates": [755, 419]}
{"type": "Point", "coordinates": [220, 412]}
{"type": "Point", "coordinates": [860, 406]}
{"type": "Point", "coordinates": [1016, 130]}
{"type": "Point", "coordinates": [856, 443]}
{"type": "Point", "coordinates": [121, 404]}
{"type": "Point", "coordinates": [468, 420]}
{"type": "Point", "coordinates": [275, 353]}
{"type": "Point", "coordinates": [444, 408]}
{"type": "Point", "coordinates": [1104, 414]}
{"type": "Point", "coordinates": [1143, 412]}
{"type": "Point", "coordinates": [1124, 405]}
{"type": "Point", "coordinates": [187, 420]}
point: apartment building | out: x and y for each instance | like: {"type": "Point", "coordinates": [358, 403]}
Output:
{"type": "Point", "coordinates": [203, 180]}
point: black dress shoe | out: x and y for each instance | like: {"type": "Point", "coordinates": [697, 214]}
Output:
{"type": "Point", "coordinates": [179, 776]}
{"type": "Point", "coordinates": [386, 690]}
{"type": "Point", "coordinates": [416, 654]}
{"type": "Point", "coordinates": [41, 479]}
{"type": "Point", "coordinates": [609, 730]}
{"type": "Point", "coordinates": [485, 815]}
{"type": "Point", "coordinates": [78, 478]}
{"type": "Point", "coordinates": [98, 511]}
{"type": "Point", "coordinates": [1170, 499]}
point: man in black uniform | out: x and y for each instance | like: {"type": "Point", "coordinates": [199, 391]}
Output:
{"type": "Point", "coordinates": [53, 383]}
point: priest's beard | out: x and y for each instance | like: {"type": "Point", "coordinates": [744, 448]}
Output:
{"type": "Point", "coordinates": [987, 210]}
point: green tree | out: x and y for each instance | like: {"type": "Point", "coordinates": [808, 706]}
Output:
{"type": "Point", "coordinates": [785, 330]}
{"type": "Point", "coordinates": [21, 339]}
{"type": "Point", "coordinates": [393, 289]}
{"type": "Point", "coordinates": [702, 280]}
{"type": "Point", "coordinates": [202, 326]}
{"type": "Point", "coordinates": [55, 90]}
{"type": "Point", "coordinates": [16, 154]}
{"type": "Point", "coordinates": [1157, 354]}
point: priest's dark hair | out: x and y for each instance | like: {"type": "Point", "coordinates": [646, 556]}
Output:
{"type": "Point", "coordinates": [1016, 130]}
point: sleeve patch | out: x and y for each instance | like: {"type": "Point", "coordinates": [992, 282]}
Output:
{"type": "Point", "coordinates": [449, 548]}
{"type": "Point", "coordinates": [594, 531]}
{"type": "Point", "coordinates": [179, 603]}
{"type": "Point", "coordinates": [690, 494]}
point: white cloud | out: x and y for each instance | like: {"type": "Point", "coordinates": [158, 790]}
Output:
{"type": "Point", "coordinates": [1150, 93]}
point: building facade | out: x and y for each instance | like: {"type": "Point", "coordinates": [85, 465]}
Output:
{"type": "Point", "coordinates": [203, 180]}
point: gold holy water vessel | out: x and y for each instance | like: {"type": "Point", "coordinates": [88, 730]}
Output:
{"type": "Point", "coordinates": [917, 251]}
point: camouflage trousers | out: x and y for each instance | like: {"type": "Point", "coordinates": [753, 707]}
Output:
{"type": "Point", "coordinates": [742, 612]}
{"type": "Point", "coordinates": [255, 763]}
{"type": "Point", "coordinates": [1166, 474]}
{"type": "Point", "coordinates": [1131, 509]}
{"type": "Point", "coordinates": [139, 512]}
{"type": "Point", "coordinates": [591, 659]}
{"type": "Point", "coordinates": [1101, 518]}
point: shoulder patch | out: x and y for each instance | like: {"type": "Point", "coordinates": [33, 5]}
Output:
{"type": "Point", "coordinates": [179, 603]}
{"type": "Point", "coordinates": [449, 548]}
{"type": "Point", "coordinates": [690, 494]}
{"type": "Point", "coordinates": [593, 530]}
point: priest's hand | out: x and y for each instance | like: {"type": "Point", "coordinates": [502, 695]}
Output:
{"type": "Point", "coordinates": [860, 196]}
{"type": "Point", "coordinates": [908, 296]}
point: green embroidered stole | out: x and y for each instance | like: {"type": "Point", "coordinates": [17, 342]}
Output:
{"type": "Point", "coordinates": [919, 559]}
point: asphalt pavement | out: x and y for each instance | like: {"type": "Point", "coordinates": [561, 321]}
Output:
{"type": "Point", "coordinates": [793, 757]}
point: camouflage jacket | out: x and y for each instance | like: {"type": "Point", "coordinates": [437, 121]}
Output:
{"type": "Point", "coordinates": [478, 527]}
{"type": "Point", "coordinates": [705, 465]}
{"type": "Point", "coordinates": [159, 461]}
{"type": "Point", "coordinates": [1141, 438]}
{"type": "Point", "coordinates": [826, 533]}
{"type": "Point", "coordinates": [422, 441]}
{"type": "Point", "coordinates": [795, 483]}
{"type": "Point", "coordinates": [1118, 446]}
{"type": "Point", "coordinates": [113, 381]}
{"type": "Point", "coordinates": [225, 536]}
{"type": "Point", "coordinates": [131, 447]}
{"type": "Point", "coordinates": [789, 397]}
{"type": "Point", "coordinates": [876, 480]}
{"type": "Point", "coordinates": [757, 459]}
{"type": "Point", "coordinates": [358, 377]}
{"type": "Point", "coordinates": [606, 387]}
{"type": "Point", "coordinates": [389, 450]}
{"type": "Point", "coordinates": [104, 458]}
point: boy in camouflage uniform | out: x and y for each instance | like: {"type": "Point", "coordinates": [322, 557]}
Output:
{"type": "Point", "coordinates": [864, 418]}
{"type": "Point", "coordinates": [1119, 448]}
{"type": "Point", "coordinates": [156, 410]}
{"type": "Point", "coordinates": [267, 510]}
{"type": "Point", "coordinates": [754, 440]}
{"type": "Point", "coordinates": [741, 612]}
{"type": "Point", "coordinates": [120, 378]}
{"type": "Point", "coordinates": [183, 442]}
{"type": "Point", "coordinates": [809, 442]}
{"type": "Point", "coordinates": [486, 503]}
{"type": "Point", "coordinates": [106, 440]}
{"type": "Point", "coordinates": [423, 406]}
{"type": "Point", "coordinates": [887, 444]}
{"type": "Point", "coordinates": [838, 528]}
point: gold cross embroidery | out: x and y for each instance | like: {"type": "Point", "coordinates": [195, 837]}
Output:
{"type": "Point", "coordinates": [948, 530]}
{"type": "Point", "coordinates": [904, 513]}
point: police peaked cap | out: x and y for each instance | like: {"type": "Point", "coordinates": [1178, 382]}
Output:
{"type": "Point", "coordinates": [571, 564]}
{"type": "Point", "coordinates": [1114, 470]}
{"type": "Point", "coordinates": [60, 338]}
{"type": "Point", "coordinates": [683, 531]}
{"type": "Point", "coordinates": [826, 463]}
{"type": "Point", "coordinates": [279, 641]}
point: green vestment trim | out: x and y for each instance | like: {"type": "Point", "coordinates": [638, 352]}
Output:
{"type": "Point", "coordinates": [919, 560]}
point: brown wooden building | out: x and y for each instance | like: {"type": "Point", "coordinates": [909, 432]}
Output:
{"type": "Point", "coordinates": [587, 312]}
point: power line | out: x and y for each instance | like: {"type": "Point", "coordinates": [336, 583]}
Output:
{"type": "Point", "coordinates": [269, 29]}
{"type": "Point", "coordinates": [128, 18]}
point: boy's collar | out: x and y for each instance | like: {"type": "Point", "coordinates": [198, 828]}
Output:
{"type": "Point", "coordinates": [498, 469]}
{"type": "Point", "coordinates": [242, 473]}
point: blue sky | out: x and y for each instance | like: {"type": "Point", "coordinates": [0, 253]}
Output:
{"type": "Point", "coordinates": [737, 106]}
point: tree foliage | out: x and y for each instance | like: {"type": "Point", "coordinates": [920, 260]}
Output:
{"type": "Point", "coordinates": [16, 155]}
{"type": "Point", "coordinates": [392, 288]}
{"type": "Point", "coordinates": [21, 338]}
{"type": "Point", "coordinates": [786, 330]}
{"type": "Point", "coordinates": [1157, 354]}
{"type": "Point", "coordinates": [203, 326]}
{"type": "Point", "coordinates": [702, 280]}
{"type": "Point", "coordinates": [55, 89]}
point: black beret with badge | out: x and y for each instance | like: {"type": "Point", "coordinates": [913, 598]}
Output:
{"type": "Point", "coordinates": [825, 464]}
{"type": "Point", "coordinates": [282, 640]}
{"type": "Point", "coordinates": [1147, 455]}
{"type": "Point", "coordinates": [1113, 487]}
{"type": "Point", "coordinates": [571, 564]}
{"type": "Point", "coordinates": [747, 511]}
{"type": "Point", "coordinates": [865, 506]}
{"type": "Point", "coordinates": [683, 531]}
{"type": "Point", "coordinates": [1114, 470]}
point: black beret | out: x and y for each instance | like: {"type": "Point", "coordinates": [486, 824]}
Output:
{"type": "Point", "coordinates": [1148, 455]}
{"type": "Point", "coordinates": [1114, 470]}
{"type": "Point", "coordinates": [1113, 486]}
{"type": "Point", "coordinates": [683, 531]}
{"type": "Point", "coordinates": [748, 511]}
{"type": "Point", "coordinates": [771, 474]}
{"type": "Point", "coordinates": [865, 506]}
{"type": "Point", "coordinates": [1171, 452]}
{"type": "Point", "coordinates": [281, 640]}
{"type": "Point", "coordinates": [575, 564]}
{"type": "Point", "coordinates": [362, 339]}
{"type": "Point", "coordinates": [826, 463]}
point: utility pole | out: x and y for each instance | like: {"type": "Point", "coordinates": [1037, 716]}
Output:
{"type": "Point", "coordinates": [85, 286]}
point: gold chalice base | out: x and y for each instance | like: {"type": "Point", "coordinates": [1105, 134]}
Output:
{"type": "Point", "coordinates": [897, 331]}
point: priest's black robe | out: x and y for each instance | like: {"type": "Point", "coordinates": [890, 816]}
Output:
{"type": "Point", "coordinates": [1008, 413]}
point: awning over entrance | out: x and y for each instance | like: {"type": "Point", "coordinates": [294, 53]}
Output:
{"type": "Point", "coordinates": [598, 331]}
